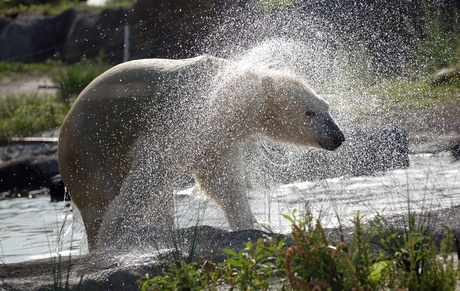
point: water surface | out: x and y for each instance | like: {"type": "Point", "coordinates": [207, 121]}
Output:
{"type": "Point", "coordinates": [34, 228]}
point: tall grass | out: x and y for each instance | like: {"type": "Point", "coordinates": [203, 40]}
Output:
{"type": "Point", "coordinates": [27, 114]}
{"type": "Point", "coordinates": [437, 45]}
{"type": "Point", "coordinates": [76, 77]}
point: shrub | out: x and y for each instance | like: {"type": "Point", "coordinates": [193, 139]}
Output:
{"type": "Point", "coordinates": [29, 113]}
{"type": "Point", "coordinates": [438, 43]}
{"type": "Point", "coordinates": [76, 77]}
{"type": "Point", "coordinates": [377, 257]}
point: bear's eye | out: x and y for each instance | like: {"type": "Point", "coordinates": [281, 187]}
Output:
{"type": "Point", "coordinates": [310, 113]}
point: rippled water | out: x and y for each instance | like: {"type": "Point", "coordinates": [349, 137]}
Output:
{"type": "Point", "coordinates": [30, 227]}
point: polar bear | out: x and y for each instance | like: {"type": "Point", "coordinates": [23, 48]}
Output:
{"type": "Point", "coordinates": [142, 123]}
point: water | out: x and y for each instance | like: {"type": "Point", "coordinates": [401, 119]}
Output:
{"type": "Point", "coordinates": [30, 227]}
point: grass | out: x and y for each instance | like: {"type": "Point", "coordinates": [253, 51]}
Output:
{"type": "Point", "coordinates": [9, 68]}
{"type": "Point", "coordinates": [53, 7]}
{"type": "Point", "coordinates": [378, 257]}
{"type": "Point", "coordinates": [75, 78]}
{"type": "Point", "coordinates": [23, 115]}
{"type": "Point", "coordinates": [402, 93]}
{"type": "Point", "coordinates": [27, 114]}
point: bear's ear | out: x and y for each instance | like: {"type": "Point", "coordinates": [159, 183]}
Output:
{"type": "Point", "coordinates": [271, 106]}
{"type": "Point", "coordinates": [267, 86]}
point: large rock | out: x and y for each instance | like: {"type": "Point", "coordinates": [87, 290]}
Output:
{"type": "Point", "coordinates": [92, 32]}
{"type": "Point", "coordinates": [173, 29]}
{"type": "Point", "coordinates": [158, 29]}
{"type": "Point", "coordinates": [29, 37]}
{"type": "Point", "coordinates": [29, 172]}
{"type": "Point", "coordinates": [75, 33]}
{"type": "Point", "coordinates": [28, 166]}
{"type": "Point", "coordinates": [364, 152]}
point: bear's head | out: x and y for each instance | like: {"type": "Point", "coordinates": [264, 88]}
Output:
{"type": "Point", "coordinates": [295, 114]}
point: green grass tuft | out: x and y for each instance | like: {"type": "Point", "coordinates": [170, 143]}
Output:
{"type": "Point", "coordinates": [23, 115]}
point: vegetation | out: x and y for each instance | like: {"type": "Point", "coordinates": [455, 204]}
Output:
{"type": "Point", "coordinates": [27, 114]}
{"type": "Point", "coordinates": [15, 69]}
{"type": "Point", "coordinates": [76, 77]}
{"type": "Point", "coordinates": [22, 115]}
{"type": "Point", "coordinates": [377, 257]}
{"type": "Point", "coordinates": [437, 44]}
{"type": "Point", "coordinates": [270, 5]}
{"type": "Point", "coordinates": [402, 93]}
{"type": "Point", "coordinates": [50, 7]}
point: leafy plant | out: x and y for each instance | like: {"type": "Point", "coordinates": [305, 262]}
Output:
{"type": "Point", "coordinates": [76, 77]}
{"type": "Point", "coordinates": [412, 260]}
{"type": "Point", "coordinates": [253, 266]}
{"type": "Point", "coordinates": [29, 113]}
{"type": "Point", "coordinates": [377, 257]}
{"type": "Point", "coordinates": [191, 276]}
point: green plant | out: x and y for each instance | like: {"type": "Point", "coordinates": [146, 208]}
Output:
{"type": "Point", "coordinates": [76, 77]}
{"type": "Point", "coordinates": [314, 263]}
{"type": "Point", "coordinates": [185, 276]}
{"type": "Point", "coordinates": [271, 5]}
{"type": "Point", "coordinates": [29, 113]}
{"type": "Point", "coordinates": [254, 265]}
{"type": "Point", "coordinates": [412, 260]}
{"type": "Point", "coordinates": [10, 68]}
{"type": "Point", "coordinates": [378, 256]}
{"type": "Point", "coordinates": [438, 43]}
{"type": "Point", "coordinates": [60, 282]}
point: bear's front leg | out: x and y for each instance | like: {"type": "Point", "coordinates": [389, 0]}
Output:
{"type": "Point", "coordinates": [223, 183]}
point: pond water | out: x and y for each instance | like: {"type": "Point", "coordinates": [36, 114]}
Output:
{"type": "Point", "coordinates": [36, 228]}
{"type": "Point", "coordinates": [30, 227]}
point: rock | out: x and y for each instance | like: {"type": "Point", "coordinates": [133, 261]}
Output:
{"type": "Point", "coordinates": [364, 152]}
{"type": "Point", "coordinates": [26, 173]}
{"type": "Point", "coordinates": [29, 37]}
{"type": "Point", "coordinates": [449, 143]}
{"type": "Point", "coordinates": [455, 150]}
{"type": "Point", "coordinates": [446, 76]}
{"type": "Point", "coordinates": [28, 166]}
{"type": "Point", "coordinates": [92, 32]}
{"type": "Point", "coordinates": [173, 29]}
{"type": "Point", "coordinates": [158, 29]}
{"type": "Point", "coordinates": [57, 189]}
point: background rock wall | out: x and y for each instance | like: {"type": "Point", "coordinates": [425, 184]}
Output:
{"type": "Point", "coordinates": [174, 29]}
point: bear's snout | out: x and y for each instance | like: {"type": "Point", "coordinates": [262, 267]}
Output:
{"type": "Point", "coordinates": [330, 136]}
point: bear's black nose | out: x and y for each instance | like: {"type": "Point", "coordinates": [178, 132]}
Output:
{"type": "Point", "coordinates": [334, 141]}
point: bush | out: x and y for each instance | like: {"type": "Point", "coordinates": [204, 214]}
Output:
{"type": "Point", "coordinates": [377, 257]}
{"type": "Point", "coordinates": [438, 44]}
{"type": "Point", "coordinates": [29, 113]}
{"type": "Point", "coordinates": [76, 77]}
